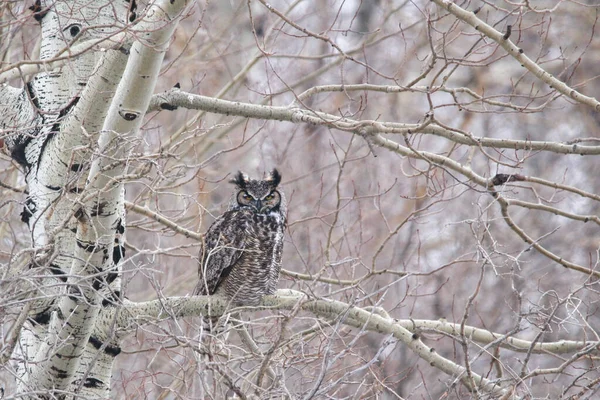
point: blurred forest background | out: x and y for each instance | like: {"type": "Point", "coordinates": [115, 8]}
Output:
{"type": "Point", "coordinates": [368, 225]}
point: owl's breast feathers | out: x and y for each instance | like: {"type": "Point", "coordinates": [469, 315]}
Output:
{"type": "Point", "coordinates": [241, 256]}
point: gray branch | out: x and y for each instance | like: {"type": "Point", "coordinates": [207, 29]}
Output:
{"type": "Point", "coordinates": [131, 315]}
{"type": "Point", "coordinates": [367, 128]}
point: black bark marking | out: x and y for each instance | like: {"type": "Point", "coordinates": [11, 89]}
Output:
{"type": "Point", "coordinates": [111, 276]}
{"type": "Point", "coordinates": [28, 210]}
{"type": "Point", "coordinates": [501, 179]}
{"type": "Point", "coordinates": [120, 227]}
{"type": "Point", "coordinates": [80, 215]}
{"type": "Point", "coordinates": [18, 151]}
{"type": "Point", "coordinates": [67, 109]}
{"type": "Point", "coordinates": [112, 299]}
{"type": "Point", "coordinates": [111, 350]}
{"type": "Point", "coordinates": [47, 139]}
{"type": "Point", "coordinates": [75, 189]}
{"type": "Point", "coordinates": [74, 29]}
{"type": "Point", "coordinates": [132, 8]}
{"type": "Point", "coordinates": [25, 215]}
{"type": "Point", "coordinates": [97, 283]}
{"type": "Point", "coordinates": [74, 293]}
{"type": "Point", "coordinates": [38, 13]}
{"type": "Point", "coordinates": [42, 318]}
{"type": "Point", "coordinates": [53, 188]}
{"type": "Point", "coordinates": [128, 116]}
{"type": "Point", "coordinates": [56, 270]}
{"type": "Point", "coordinates": [167, 106]}
{"type": "Point", "coordinates": [95, 342]}
{"type": "Point", "coordinates": [118, 253]}
{"type": "Point", "coordinates": [99, 209]}
{"type": "Point", "coordinates": [90, 247]}
{"type": "Point", "coordinates": [76, 167]}
{"type": "Point", "coordinates": [55, 127]}
{"type": "Point", "coordinates": [93, 383]}
{"type": "Point", "coordinates": [177, 85]}
{"type": "Point", "coordinates": [60, 373]}
{"type": "Point", "coordinates": [32, 96]}
{"type": "Point", "coordinates": [63, 112]}
{"type": "Point", "coordinates": [508, 32]}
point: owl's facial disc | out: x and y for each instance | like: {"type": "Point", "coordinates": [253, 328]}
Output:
{"type": "Point", "coordinates": [245, 199]}
{"type": "Point", "coordinates": [263, 205]}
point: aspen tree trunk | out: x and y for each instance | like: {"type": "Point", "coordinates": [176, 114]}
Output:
{"type": "Point", "coordinates": [72, 130]}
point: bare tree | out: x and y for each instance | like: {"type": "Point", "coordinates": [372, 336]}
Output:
{"type": "Point", "coordinates": [441, 163]}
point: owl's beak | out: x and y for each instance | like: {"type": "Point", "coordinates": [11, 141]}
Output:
{"type": "Point", "coordinates": [257, 205]}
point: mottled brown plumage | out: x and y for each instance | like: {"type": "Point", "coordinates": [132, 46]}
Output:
{"type": "Point", "coordinates": [241, 254]}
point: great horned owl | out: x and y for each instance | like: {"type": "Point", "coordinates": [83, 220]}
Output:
{"type": "Point", "coordinates": [241, 254]}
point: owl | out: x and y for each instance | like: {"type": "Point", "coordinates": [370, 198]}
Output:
{"type": "Point", "coordinates": [240, 256]}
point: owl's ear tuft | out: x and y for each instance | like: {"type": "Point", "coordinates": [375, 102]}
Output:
{"type": "Point", "coordinates": [274, 178]}
{"type": "Point", "coordinates": [240, 179]}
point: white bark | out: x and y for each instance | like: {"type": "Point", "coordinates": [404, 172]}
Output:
{"type": "Point", "coordinates": [81, 317]}
{"type": "Point", "coordinates": [75, 212]}
{"type": "Point", "coordinates": [103, 213]}
{"type": "Point", "coordinates": [53, 161]}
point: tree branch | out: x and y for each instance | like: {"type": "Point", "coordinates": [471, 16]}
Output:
{"type": "Point", "coordinates": [131, 315]}
{"type": "Point", "coordinates": [176, 98]}
{"type": "Point", "coordinates": [517, 53]}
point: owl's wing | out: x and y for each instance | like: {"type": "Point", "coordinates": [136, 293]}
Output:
{"type": "Point", "coordinates": [223, 245]}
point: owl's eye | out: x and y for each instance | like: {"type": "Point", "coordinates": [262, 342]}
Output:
{"type": "Point", "coordinates": [272, 199]}
{"type": "Point", "coordinates": [244, 198]}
